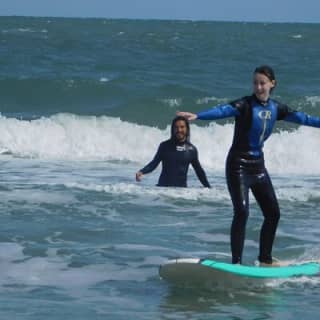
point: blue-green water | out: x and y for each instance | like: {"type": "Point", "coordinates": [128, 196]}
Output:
{"type": "Point", "coordinates": [84, 104]}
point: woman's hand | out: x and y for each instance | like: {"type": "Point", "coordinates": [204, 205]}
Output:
{"type": "Point", "coordinates": [188, 115]}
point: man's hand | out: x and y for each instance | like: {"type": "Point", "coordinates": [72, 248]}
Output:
{"type": "Point", "coordinates": [139, 176]}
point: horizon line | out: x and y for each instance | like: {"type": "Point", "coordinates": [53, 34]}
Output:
{"type": "Point", "coordinates": [156, 19]}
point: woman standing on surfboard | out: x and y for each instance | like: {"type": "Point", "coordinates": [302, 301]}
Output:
{"type": "Point", "coordinates": [255, 117]}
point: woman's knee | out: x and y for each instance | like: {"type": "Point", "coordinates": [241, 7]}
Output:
{"type": "Point", "coordinates": [241, 213]}
{"type": "Point", "coordinates": [272, 214]}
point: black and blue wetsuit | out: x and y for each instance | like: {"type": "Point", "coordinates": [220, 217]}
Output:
{"type": "Point", "coordinates": [245, 169]}
{"type": "Point", "coordinates": [176, 158]}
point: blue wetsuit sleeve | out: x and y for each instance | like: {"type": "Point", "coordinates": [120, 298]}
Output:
{"type": "Point", "coordinates": [219, 112]}
{"type": "Point", "coordinates": [303, 118]}
{"type": "Point", "coordinates": [199, 171]}
{"type": "Point", "coordinates": [287, 114]}
{"type": "Point", "coordinates": [153, 163]}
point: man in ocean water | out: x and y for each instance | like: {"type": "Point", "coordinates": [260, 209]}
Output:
{"type": "Point", "coordinates": [176, 154]}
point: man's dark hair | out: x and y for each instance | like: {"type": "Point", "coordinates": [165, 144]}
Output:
{"type": "Point", "coordinates": [180, 118]}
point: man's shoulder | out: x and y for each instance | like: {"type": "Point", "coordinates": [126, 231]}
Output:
{"type": "Point", "coordinates": [190, 146]}
{"type": "Point", "coordinates": [166, 142]}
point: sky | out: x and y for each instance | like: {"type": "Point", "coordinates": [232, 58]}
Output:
{"type": "Point", "coordinates": [225, 10]}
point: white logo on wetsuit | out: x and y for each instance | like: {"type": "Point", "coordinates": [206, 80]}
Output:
{"type": "Point", "coordinates": [181, 148]}
{"type": "Point", "coordinates": [265, 115]}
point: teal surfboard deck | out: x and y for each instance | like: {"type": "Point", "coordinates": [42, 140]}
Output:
{"type": "Point", "coordinates": [221, 273]}
{"type": "Point", "coordinates": [295, 270]}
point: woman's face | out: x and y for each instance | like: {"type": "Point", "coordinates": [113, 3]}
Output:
{"type": "Point", "coordinates": [262, 86]}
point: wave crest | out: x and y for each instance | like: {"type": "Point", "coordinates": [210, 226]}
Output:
{"type": "Point", "coordinates": [72, 137]}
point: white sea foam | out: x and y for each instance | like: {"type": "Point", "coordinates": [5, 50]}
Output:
{"type": "Point", "coordinates": [214, 194]}
{"type": "Point", "coordinates": [172, 102]}
{"type": "Point", "coordinates": [53, 270]}
{"type": "Point", "coordinates": [313, 100]}
{"type": "Point", "coordinates": [218, 193]}
{"type": "Point", "coordinates": [71, 137]}
{"type": "Point", "coordinates": [36, 197]}
{"type": "Point", "coordinates": [213, 100]}
{"type": "Point", "coordinates": [104, 79]}
{"type": "Point", "coordinates": [25, 30]}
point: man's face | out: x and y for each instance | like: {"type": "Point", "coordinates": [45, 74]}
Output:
{"type": "Point", "coordinates": [180, 130]}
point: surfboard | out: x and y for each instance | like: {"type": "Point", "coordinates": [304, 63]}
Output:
{"type": "Point", "coordinates": [211, 271]}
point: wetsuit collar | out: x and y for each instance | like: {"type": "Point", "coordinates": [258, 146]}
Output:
{"type": "Point", "coordinates": [179, 143]}
{"type": "Point", "coordinates": [263, 103]}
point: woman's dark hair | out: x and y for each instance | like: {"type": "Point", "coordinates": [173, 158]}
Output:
{"type": "Point", "coordinates": [267, 71]}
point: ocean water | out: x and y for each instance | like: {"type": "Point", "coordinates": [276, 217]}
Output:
{"type": "Point", "coordinates": [84, 104]}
